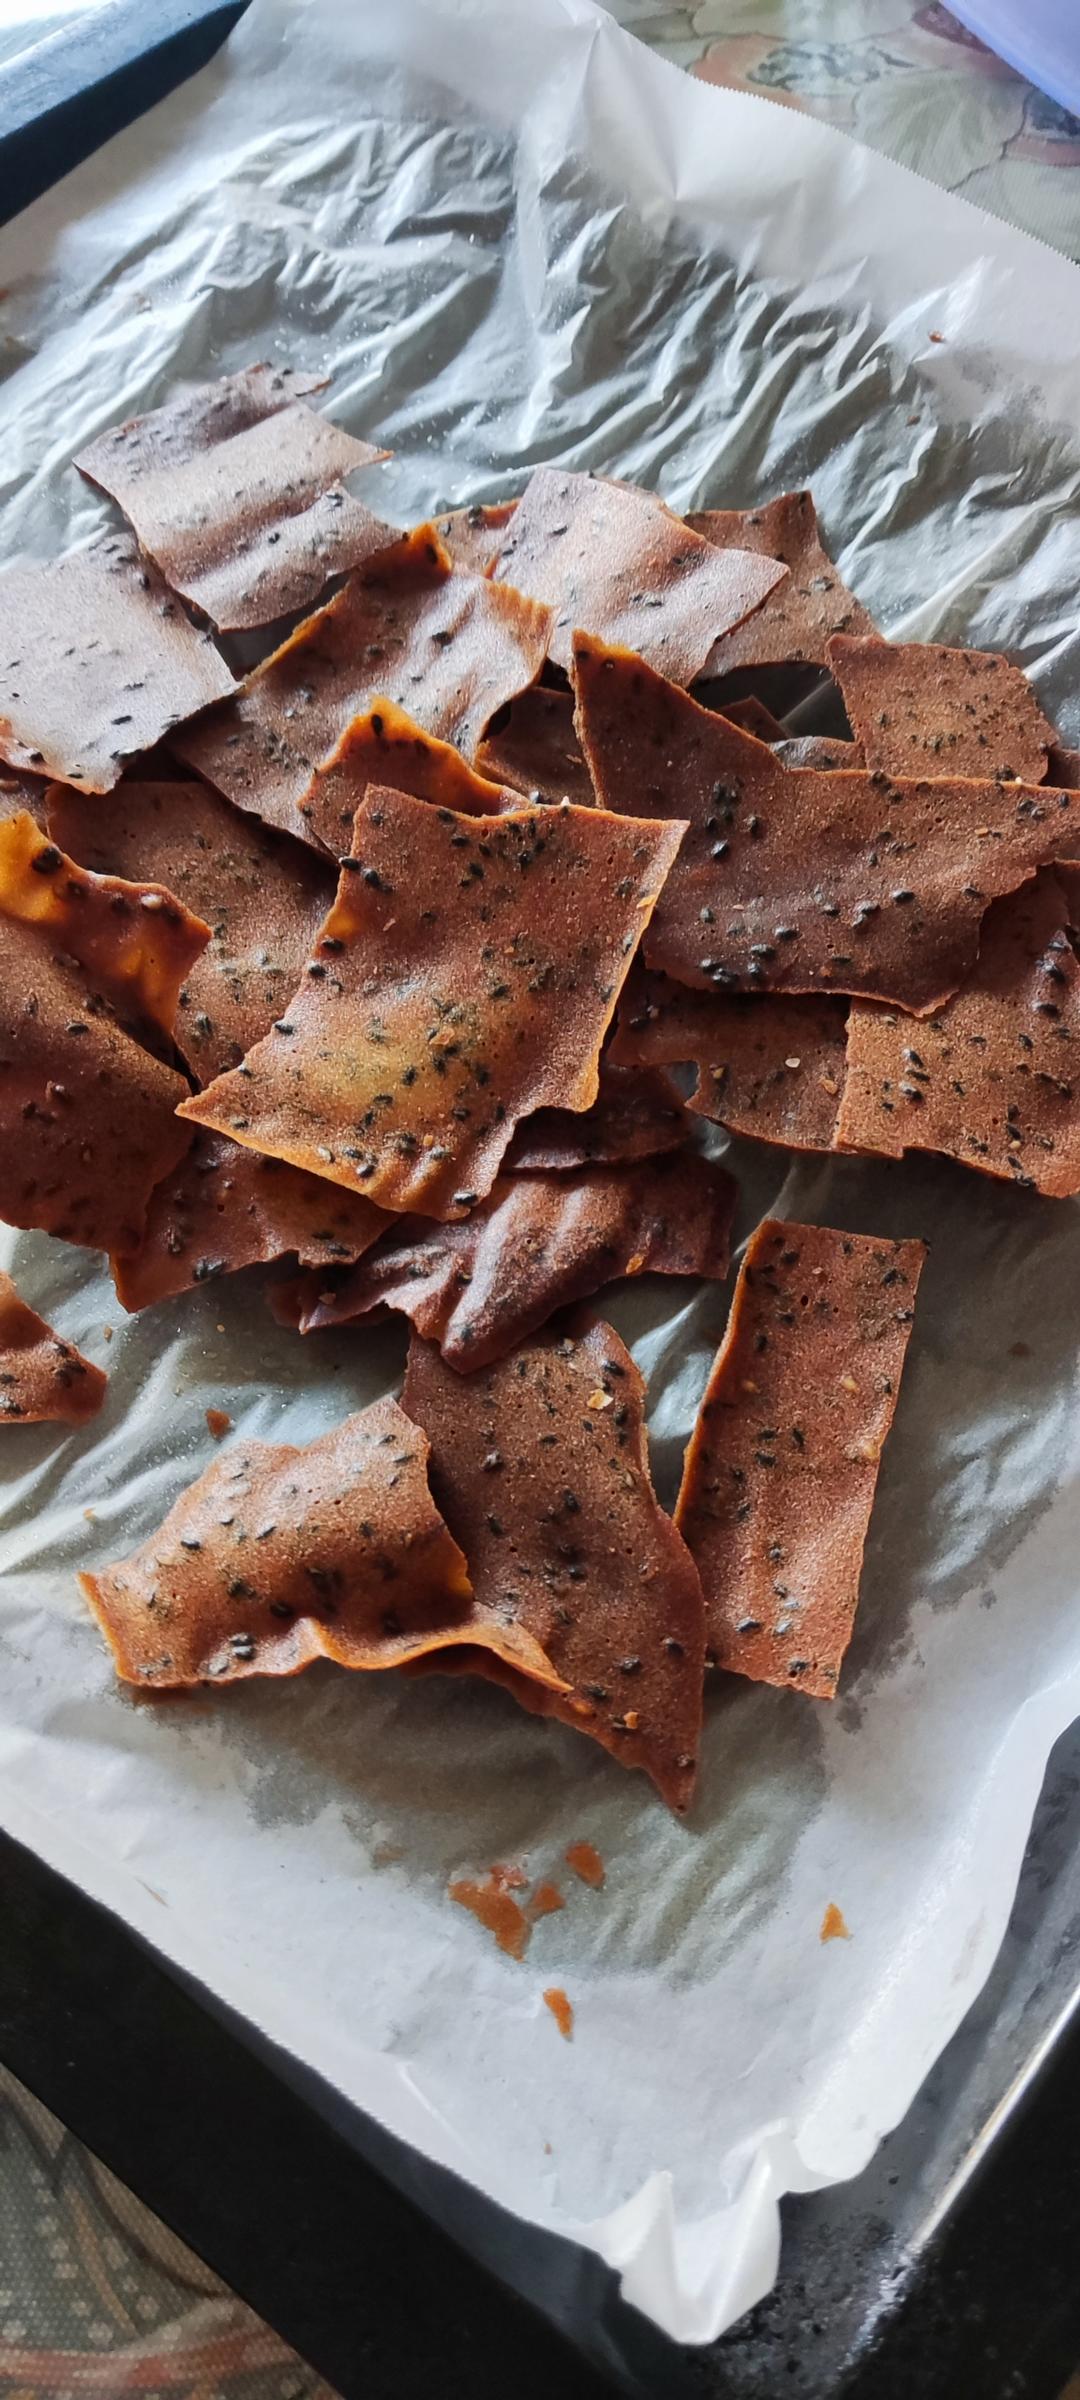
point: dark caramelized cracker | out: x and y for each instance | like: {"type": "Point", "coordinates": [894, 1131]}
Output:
{"type": "Point", "coordinates": [540, 1467]}
{"type": "Point", "coordinates": [993, 1078]}
{"type": "Point", "coordinates": [798, 880]}
{"type": "Point", "coordinates": [536, 1243]}
{"type": "Point", "coordinates": [782, 1465]}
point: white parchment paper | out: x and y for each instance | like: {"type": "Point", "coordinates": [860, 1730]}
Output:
{"type": "Point", "coordinates": [512, 235]}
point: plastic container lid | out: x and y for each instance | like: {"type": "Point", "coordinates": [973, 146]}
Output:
{"type": "Point", "coordinates": [1040, 38]}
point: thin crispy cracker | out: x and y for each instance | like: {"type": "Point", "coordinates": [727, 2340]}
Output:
{"type": "Point", "coordinates": [465, 977]}
{"type": "Point", "coordinates": [87, 1114]}
{"type": "Point", "coordinates": [920, 709]}
{"type": "Point", "coordinates": [132, 936]}
{"type": "Point", "coordinates": [537, 751]}
{"type": "Point", "coordinates": [801, 881]}
{"type": "Point", "coordinates": [235, 490]}
{"type": "Point", "coordinates": [278, 1556]}
{"type": "Point", "coordinates": [782, 1465]}
{"type": "Point", "coordinates": [612, 558]}
{"type": "Point", "coordinates": [263, 896]}
{"type": "Point", "coordinates": [540, 1466]}
{"type": "Point", "coordinates": [224, 1208]}
{"type": "Point", "coordinates": [806, 609]}
{"type": "Point", "coordinates": [474, 536]}
{"type": "Point", "coordinates": [535, 1244]}
{"type": "Point", "coordinates": [637, 1113]}
{"type": "Point", "coordinates": [97, 661]}
{"type": "Point", "coordinates": [42, 1379]}
{"type": "Point", "coordinates": [993, 1078]}
{"type": "Point", "coordinates": [386, 746]}
{"type": "Point", "coordinates": [772, 1068]}
{"type": "Point", "coordinates": [449, 647]}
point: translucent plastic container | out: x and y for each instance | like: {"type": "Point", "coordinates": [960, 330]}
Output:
{"type": "Point", "coordinates": [1041, 38]}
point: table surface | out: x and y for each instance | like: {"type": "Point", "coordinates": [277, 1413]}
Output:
{"type": "Point", "coordinates": [96, 2293]}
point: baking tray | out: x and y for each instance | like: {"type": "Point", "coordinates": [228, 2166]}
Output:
{"type": "Point", "coordinates": [947, 2267]}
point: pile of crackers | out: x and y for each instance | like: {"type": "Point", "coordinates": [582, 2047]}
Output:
{"type": "Point", "coordinates": [406, 965]}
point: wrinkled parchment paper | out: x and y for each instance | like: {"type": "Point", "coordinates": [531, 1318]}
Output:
{"type": "Point", "coordinates": [512, 235]}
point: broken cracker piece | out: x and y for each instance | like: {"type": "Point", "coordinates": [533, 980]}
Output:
{"type": "Point", "coordinates": [97, 662]}
{"type": "Point", "coordinates": [278, 1556]}
{"type": "Point", "coordinates": [224, 1208]}
{"type": "Point", "coordinates": [991, 1078]}
{"type": "Point", "coordinates": [474, 535]}
{"type": "Point", "coordinates": [637, 1113]}
{"type": "Point", "coordinates": [918, 708]}
{"type": "Point", "coordinates": [754, 718]}
{"type": "Point", "coordinates": [812, 603]}
{"type": "Point", "coordinates": [470, 967]}
{"type": "Point", "coordinates": [804, 881]}
{"type": "Point", "coordinates": [42, 1379]}
{"type": "Point", "coordinates": [451, 648]}
{"type": "Point", "coordinates": [772, 1068]}
{"type": "Point", "coordinates": [817, 750]}
{"type": "Point", "coordinates": [131, 935]}
{"type": "Point", "coordinates": [89, 965]}
{"type": "Point", "coordinates": [235, 490]}
{"type": "Point", "coordinates": [781, 1468]}
{"type": "Point", "coordinates": [613, 559]}
{"type": "Point", "coordinates": [538, 1242]}
{"type": "Point", "coordinates": [386, 746]}
{"type": "Point", "coordinates": [555, 1511]}
{"type": "Point", "coordinates": [263, 895]}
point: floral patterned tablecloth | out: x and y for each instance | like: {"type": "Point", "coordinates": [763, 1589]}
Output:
{"type": "Point", "coordinates": [95, 2295]}
{"type": "Point", "coordinates": [901, 75]}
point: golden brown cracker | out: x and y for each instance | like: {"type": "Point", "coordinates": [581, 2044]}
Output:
{"type": "Point", "coordinates": [465, 977]}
